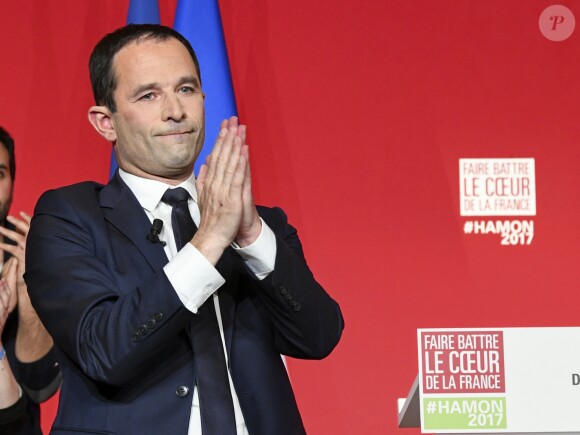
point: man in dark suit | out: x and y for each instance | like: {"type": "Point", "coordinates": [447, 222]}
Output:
{"type": "Point", "coordinates": [170, 298]}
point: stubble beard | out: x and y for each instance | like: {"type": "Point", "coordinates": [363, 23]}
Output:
{"type": "Point", "coordinates": [5, 208]}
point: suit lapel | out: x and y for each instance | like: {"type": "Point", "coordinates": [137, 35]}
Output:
{"type": "Point", "coordinates": [123, 211]}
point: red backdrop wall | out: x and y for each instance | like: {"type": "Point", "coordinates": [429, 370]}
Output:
{"type": "Point", "coordinates": [358, 113]}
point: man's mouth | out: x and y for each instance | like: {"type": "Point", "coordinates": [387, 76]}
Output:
{"type": "Point", "coordinates": [176, 133]}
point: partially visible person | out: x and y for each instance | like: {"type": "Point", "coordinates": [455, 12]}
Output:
{"type": "Point", "coordinates": [29, 373]}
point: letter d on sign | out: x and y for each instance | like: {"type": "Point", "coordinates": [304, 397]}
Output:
{"type": "Point", "coordinates": [575, 379]}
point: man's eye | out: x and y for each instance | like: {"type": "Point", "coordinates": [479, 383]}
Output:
{"type": "Point", "coordinates": [186, 90]}
{"type": "Point", "coordinates": [147, 97]}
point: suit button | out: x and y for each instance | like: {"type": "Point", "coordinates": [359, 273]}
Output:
{"type": "Point", "coordinates": [182, 391]}
{"type": "Point", "coordinates": [288, 296]}
{"type": "Point", "coordinates": [151, 323]}
{"type": "Point", "coordinates": [135, 337]}
{"type": "Point", "coordinates": [158, 317]}
{"type": "Point", "coordinates": [143, 330]}
{"type": "Point", "coordinates": [297, 306]}
{"type": "Point", "coordinates": [283, 291]}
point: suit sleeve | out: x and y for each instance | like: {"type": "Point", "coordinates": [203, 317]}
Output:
{"type": "Point", "coordinates": [108, 331]}
{"type": "Point", "coordinates": [307, 322]}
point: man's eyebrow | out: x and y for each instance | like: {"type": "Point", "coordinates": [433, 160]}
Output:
{"type": "Point", "coordinates": [189, 79]}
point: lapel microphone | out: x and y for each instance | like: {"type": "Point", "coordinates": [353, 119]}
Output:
{"type": "Point", "coordinates": [156, 228]}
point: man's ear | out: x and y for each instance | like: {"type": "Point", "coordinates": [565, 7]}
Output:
{"type": "Point", "coordinates": [100, 117]}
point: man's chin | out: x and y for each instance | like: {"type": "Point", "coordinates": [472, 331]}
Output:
{"type": "Point", "coordinates": [177, 168]}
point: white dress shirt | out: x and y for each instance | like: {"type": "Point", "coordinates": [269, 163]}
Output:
{"type": "Point", "coordinates": [193, 277]}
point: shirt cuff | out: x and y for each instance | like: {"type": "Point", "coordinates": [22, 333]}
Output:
{"type": "Point", "coordinates": [193, 277]}
{"type": "Point", "coordinates": [260, 256]}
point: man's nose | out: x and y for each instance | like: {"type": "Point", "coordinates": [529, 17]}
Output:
{"type": "Point", "coordinates": [172, 108]}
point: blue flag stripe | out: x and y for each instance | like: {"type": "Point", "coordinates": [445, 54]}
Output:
{"type": "Point", "coordinates": [200, 22]}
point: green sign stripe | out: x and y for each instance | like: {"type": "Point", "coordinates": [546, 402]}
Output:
{"type": "Point", "coordinates": [464, 413]}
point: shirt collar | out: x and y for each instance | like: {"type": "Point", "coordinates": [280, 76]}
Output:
{"type": "Point", "coordinates": [149, 192]}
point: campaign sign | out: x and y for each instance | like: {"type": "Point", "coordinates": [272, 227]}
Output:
{"type": "Point", "coordinates": [463, 362]}
{"type": "Point", "coordinates": [518, 380]}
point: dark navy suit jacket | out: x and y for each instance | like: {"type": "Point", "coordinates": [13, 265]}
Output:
{"type": "Point", "coordinates": [121, 332]}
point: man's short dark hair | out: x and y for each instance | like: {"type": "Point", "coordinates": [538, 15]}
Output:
{"type": "Point", "coordinates": [103, 78]}
{"type": "Point", "coordinates": [8, 143]}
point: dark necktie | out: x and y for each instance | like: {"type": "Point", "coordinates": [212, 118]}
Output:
{"type": "Point", "coordinates": [183, 226]}
{"type": "Point", "coordinates": [215, 397]}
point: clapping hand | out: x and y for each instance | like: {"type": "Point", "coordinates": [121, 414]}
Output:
{"type": "Point", "coordinates": [225, 196]}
